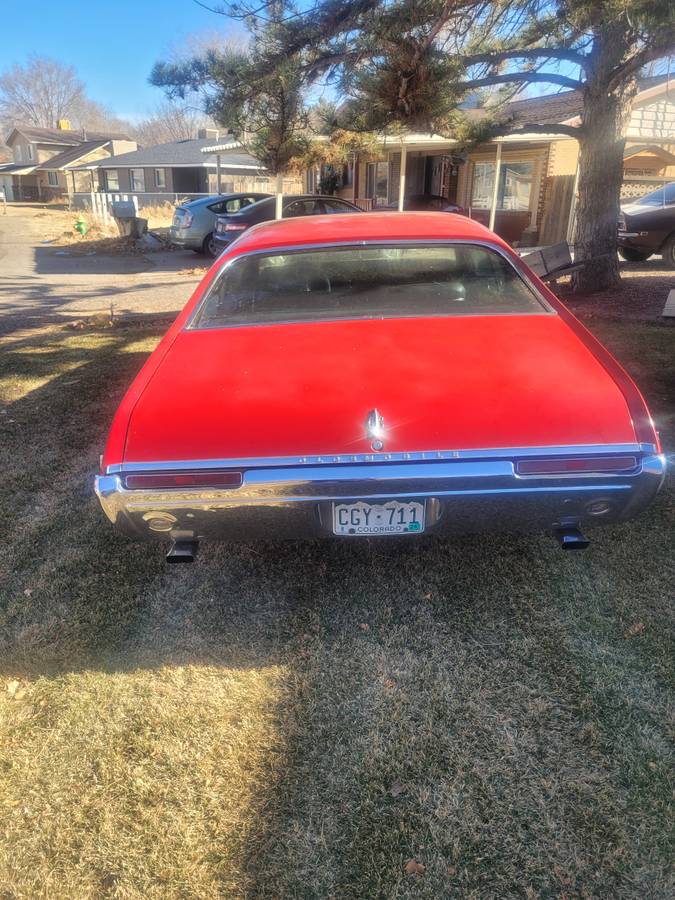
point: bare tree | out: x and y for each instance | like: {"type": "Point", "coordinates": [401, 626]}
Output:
{"type": "Point", "coordinates": [171, 121]}
{"type": "Point", "coordinates": [39, 93]}
{"type": "Point", "coordinates": [90, 115]}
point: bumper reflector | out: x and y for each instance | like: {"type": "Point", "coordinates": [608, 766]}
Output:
{"type": "Point", "coordinates": [600, 465]}
{"type": "Point", "coordinates": [183, 480]}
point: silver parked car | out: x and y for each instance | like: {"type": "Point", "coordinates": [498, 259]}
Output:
{"type": "Point", "coordinates": [194, 221]}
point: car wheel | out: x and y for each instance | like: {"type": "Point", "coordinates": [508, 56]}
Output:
{"type": "Point", "coordinates": [210, 247]}
{"type": "Point", "coordinates": [668, 252]}
{"type": "Point", "coordinates": [631, 255]}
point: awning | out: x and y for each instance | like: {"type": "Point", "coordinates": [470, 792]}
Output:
{"type": "Point", "coordinates": [649, 150]}
{"type": "Point", "coordinates": [16, 169]}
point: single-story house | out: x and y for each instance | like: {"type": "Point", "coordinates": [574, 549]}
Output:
{"type": "Point", "coordinates": [43, 156]}
{"type": "Point", "coordinates": [535, 174]}
{"type": "Point", "coordinates": [172, 171]}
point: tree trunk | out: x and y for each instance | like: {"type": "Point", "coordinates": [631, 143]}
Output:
{"type": "Point", "coordinates": [601, 146]}
{"type": "Point", "coordinates": [600, 179]}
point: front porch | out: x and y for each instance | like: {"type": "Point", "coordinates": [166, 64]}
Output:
{"type": "Point", "coordinates": [501, 184]}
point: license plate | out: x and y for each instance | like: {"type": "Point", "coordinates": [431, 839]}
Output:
{"type": "Point", "coordinates": [393, 517]}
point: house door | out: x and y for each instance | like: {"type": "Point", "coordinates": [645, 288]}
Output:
{"type": "Point", "coordinates": [434, 175]}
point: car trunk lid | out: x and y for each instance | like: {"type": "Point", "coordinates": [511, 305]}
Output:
{"type": "Point", "coordinates": [464, 382]}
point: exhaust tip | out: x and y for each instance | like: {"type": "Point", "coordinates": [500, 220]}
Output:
{"type": "Point", "coordinates": [570, 537]}
{"type": "Point", "coordinates": [182, 552]}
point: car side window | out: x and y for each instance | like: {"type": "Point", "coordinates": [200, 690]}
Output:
{"type": "Point", "coordinates": [237, 204]}
{"type": "Point", "coordinates": [234, 205]}
{"type": "Point", "coordinates": [302, 208]}
{"type": "Point", "coordinates": [665, 196]}
{"type": "Point", "coordinates": [335, 206]}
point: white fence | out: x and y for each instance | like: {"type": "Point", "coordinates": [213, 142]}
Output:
{"type": "Point", "coordinates": [98, 203]}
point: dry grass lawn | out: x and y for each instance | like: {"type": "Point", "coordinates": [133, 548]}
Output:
{"type": "Point", "coordinates": [57, 225]}
{"type": "Point", "coordinates": [484, 718]}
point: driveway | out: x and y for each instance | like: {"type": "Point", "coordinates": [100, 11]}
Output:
{"type": "Point", "coordinates": [41, 284]}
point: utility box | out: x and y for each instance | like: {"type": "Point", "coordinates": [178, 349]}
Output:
{"type": "Point", "coordinates": [128, 222]}
{"type": "Point", "coordinates": [123, 209]}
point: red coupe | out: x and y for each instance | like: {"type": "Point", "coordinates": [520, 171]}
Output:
{"type": "Point", "coordinates": [376, 375]}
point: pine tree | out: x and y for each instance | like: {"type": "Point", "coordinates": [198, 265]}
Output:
{"type": "Point", "coordinates": [410, 62]}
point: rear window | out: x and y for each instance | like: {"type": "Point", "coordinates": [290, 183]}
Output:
{"type": "Point", "coordinates": [366, 283]}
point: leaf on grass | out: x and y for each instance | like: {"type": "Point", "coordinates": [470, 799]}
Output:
{"type": "Point", "coordinates": [28, 592]}
{"type": "Point", "coordinates": [364, 626]}
{"type": "Point", "coordinates": [561, 876]}
{"type": "Point", "coordinates": [634, 629]}
{"type": "Point", "coordinates": [13, 687]}
{"type": "Point", "coordinates": [397, 789]}
{"type": "Point", "coordinates": [452, 870]}
{"type": "Point", "coordinates": [412, 867]}
{"type": "Point", "coordinates": [389, 682]}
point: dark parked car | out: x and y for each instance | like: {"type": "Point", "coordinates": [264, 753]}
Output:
{"type": "Point", "coordinates": [229, 227]}
{"type": "Point", "coordinates": [427, 203]}
{"type": "Point", "coordinates": [193, 222]}
{"type": "Point", "coordinates": [648, 226]}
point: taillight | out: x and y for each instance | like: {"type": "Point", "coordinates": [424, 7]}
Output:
{"type": "Point", "coordinates": [183, 480]}
{"type": "Point", "coordinates": [230, 227]}
{"type": "Point", "coordinates": [186, 220]}
{"type": "Point", "coordinates": [599, 465]}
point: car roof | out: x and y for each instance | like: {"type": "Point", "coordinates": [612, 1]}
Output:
{"type": "Point", "coordinates": [372, 226]}
{"type": "Point", "coordinates": [253, 208]}
{"type": "Point", "coordinates": [212, 198]}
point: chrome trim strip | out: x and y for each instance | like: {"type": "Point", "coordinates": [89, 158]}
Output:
{"type": "Point", "coordinates": [324, 245]}
{"type": "Point", "coordinates": [359, 458]}
{"type": "Point", "coordinates": [216, 499]}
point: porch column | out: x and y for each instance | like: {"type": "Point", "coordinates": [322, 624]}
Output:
{"type": "Point", "coordinates": [355, 177]}
{"type": "Point", "coordinates": [495, 189]}
{"type": "Point", "coordinates": [218, 182]}
{"type": "Point", "coordinates": [569, 237]}
{"type": "Point", "coordinates": [279, 205]}
{"type": "Point", "coordinates": [401, 180]}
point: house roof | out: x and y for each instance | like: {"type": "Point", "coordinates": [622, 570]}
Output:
{"type": "Point", "coordinates": [16, 169]}
{"type": "Point", "coordinates": [71, 155]}
{"type": "Point", "coordinates": [68, 138]}
{"type": "Point", "coordinates": [176, 153]}
{"type": "Point", "coordinates": [553, 109]}
{"type": "Point", "coordinates": [549, 110]}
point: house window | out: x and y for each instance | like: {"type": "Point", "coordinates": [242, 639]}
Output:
{"type": "Point", "coordinates": [160, 178]}
{"type": "Point", "coordinates": [53, 179]}
{"type": "Point", "coordinates": [112, 181]}
{"type": "Point", "coordinates": [137, 178]}
{"type": "Point", "coordinates": [377, 181]}
{"type": "Point", "coordinates": [31, 154]}
{"type": "Point", "coordinates": [515, 186]}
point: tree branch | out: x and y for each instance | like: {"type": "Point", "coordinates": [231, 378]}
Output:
{"type": "Point", "coordinates": [557, 128]}
{"type": "Point", "coordinates": [641, 58]}
{"type": "Point", "coordinates": [495, 56]}
{"type": "Point", "coordinates": [524, 78]}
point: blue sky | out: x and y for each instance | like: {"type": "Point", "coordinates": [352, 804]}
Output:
{"type": "Point", "coordinates": [112, 45]}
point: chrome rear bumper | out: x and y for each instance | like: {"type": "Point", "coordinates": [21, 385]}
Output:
{"type": "Point", "coordinates": [463, 492]}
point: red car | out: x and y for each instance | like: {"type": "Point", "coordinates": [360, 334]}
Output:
{"type": "Point", "coordinates": [375, 375]}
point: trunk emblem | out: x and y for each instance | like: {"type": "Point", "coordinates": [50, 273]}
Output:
{"type": "Point", "coordinates": [375, 429]}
